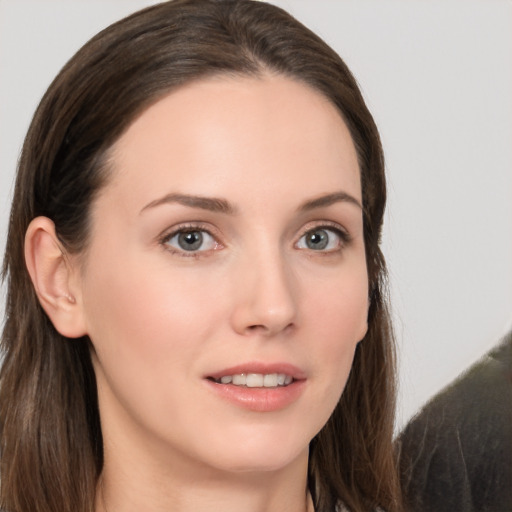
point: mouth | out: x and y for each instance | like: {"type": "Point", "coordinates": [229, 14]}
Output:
{"type": "Point", "coordinates": [259, 386]}
{"type": "Point", "coordinates": [255, 380]}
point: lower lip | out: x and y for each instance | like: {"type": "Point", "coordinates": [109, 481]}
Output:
{"type": "Point", "coordinates": [259, 399]}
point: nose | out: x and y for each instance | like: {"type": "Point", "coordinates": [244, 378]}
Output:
{"type": "Point", "coordinates": [265, 296]}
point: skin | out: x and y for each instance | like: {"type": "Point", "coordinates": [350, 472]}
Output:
{"type": "Point", "coordinates": [162, 319]}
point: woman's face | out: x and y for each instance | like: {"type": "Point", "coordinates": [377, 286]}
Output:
{"type": "Point", "coordinates": [226, 259]}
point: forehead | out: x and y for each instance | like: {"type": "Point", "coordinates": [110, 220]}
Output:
{"type": "Point", "coordinates": [249, 135]}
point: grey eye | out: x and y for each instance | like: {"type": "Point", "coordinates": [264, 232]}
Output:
{"type": "Point", "coordinates": [317, 240]}
{"type": "Point", "coordinates": [320, 239]}
{"type": "Point", "coordinates": [192, 241]}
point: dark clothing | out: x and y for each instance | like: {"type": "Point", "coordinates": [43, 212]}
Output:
{"type": "Point", "coordinates": [456, 455]}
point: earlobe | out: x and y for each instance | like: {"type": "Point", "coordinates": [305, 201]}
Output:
{"type": "Point", "coordinates": [54, 278]}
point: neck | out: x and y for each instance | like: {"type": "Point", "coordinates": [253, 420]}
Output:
{"type": "Point", "coordinates": [131, 482]}
{"type": "Point", "coordinates": [134, 490]}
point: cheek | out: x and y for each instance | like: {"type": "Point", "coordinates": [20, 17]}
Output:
{"type": "Point", "coordinates": [146, 311]}
{"type": "Point", "coordinates": [148, 328]}
{"type": "Point", "coordinates": [339, 308]}
{"type": "Point", "coordinates": [339, 321]}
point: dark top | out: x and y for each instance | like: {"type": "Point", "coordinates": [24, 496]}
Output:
{"type": "Point", "coordinates": [456, 454]}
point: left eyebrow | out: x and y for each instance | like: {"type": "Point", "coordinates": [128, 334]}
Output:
{"type": "Point", "coordinates": [329, 199]}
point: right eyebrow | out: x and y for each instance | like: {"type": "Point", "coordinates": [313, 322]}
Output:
{"type": "Point", "coordinates": [213, 204]}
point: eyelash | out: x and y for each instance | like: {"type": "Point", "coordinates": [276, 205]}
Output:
{"type": "Point", "coordinates": [343, 235]}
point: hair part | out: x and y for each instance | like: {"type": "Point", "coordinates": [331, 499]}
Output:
{"type": "Point", "coordinates": [50, 433]}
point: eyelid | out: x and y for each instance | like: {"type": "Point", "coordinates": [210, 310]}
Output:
{"type": "Point", "coordinates": [319, 224]}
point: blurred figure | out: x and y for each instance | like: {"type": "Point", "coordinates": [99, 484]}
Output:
{"type": "Point", "coordinates": [456, 454]}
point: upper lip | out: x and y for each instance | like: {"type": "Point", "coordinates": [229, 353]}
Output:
{"type": "Point", "coordinates": [261, 368]}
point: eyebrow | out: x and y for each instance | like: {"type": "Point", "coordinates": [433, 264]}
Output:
{"type": "Point", "coordinates": [329, 199]}
{"type": "Point", "coordinates": [215, 204]}
{"type": "Point", "coordinates": [212, 204]}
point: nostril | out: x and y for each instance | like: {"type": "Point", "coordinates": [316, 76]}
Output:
{"type": "Point", "coordinates": [267, 330]}
{"type": "Point", "coordinates": [253, 328]}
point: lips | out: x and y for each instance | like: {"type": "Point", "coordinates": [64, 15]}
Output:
{"type": "Point", "coordinates": [258, 386]}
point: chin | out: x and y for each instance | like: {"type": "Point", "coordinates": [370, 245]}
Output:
{"type": "Point", "coordinates": [261, 455]}
{"type": "Point", "coordinates": [259, 465]}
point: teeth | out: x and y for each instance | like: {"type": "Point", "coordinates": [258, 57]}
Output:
{"type": "Point", "coordinates": [256, 380]}
{"type": "Point", "coordinates": [240, 380]}
{"type": "Point", "coordinates": [270, 380]}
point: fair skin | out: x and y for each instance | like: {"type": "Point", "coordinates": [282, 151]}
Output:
{"type": "Point", "coordinates": [266, 276]}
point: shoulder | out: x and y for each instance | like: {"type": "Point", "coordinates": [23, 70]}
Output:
{"type": "Point", "coordinates": [460, 435]}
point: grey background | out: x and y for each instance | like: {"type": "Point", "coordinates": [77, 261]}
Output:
{"type": "Point", "coordinates": [437, 76]}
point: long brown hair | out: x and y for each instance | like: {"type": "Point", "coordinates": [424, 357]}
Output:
{"type": "Point", "coordinates": [50, 434]}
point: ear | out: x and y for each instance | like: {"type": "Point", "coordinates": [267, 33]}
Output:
{"type": "Point", "coordinates": [55, 276]}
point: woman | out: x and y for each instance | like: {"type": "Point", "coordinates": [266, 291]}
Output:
{"type": "Point", "coordinates": [195, 312]}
